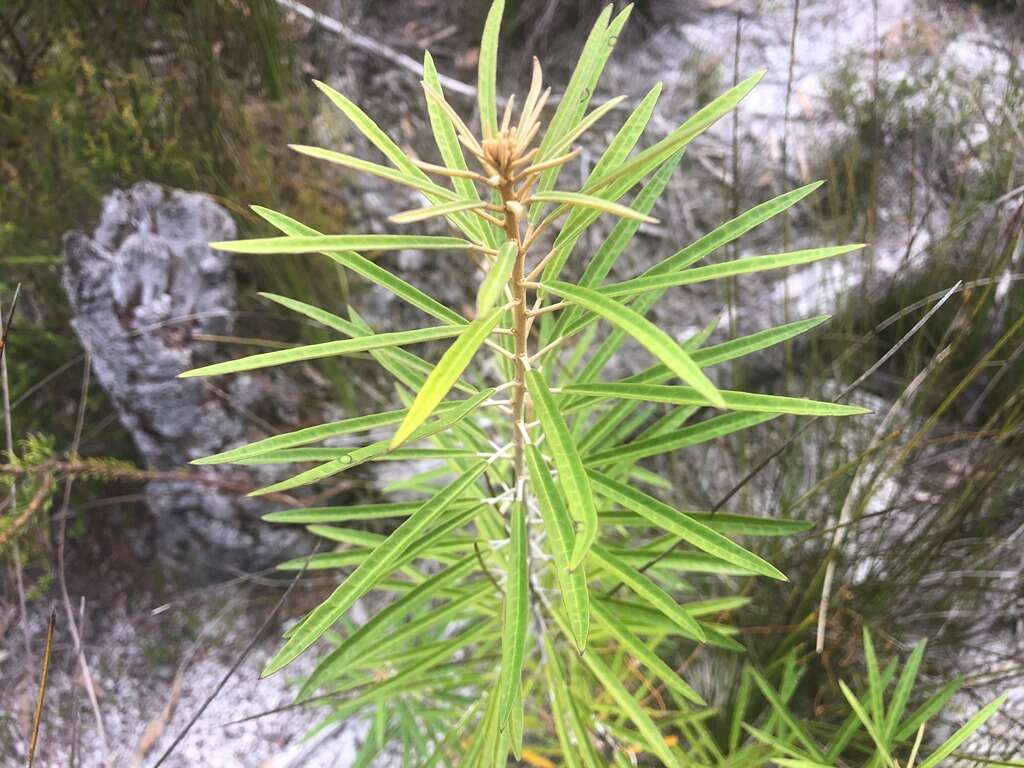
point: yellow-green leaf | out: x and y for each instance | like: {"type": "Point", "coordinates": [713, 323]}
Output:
{"type": "Point", "coordinates": [447, 371]}
{"type": "Point", "coordinates": [734, 401]}
{"type": "Point", "coordinates": [496, 278]}
{"type": "Point", "coordinates": [571, 475]}
{"type": "Point", "coordinates": [589, 201]}
{"type": "Point", "coordinates": [685, 527]}
{"type": "Point", "coordinates": [559, 539]}
{"type": "Point", "coordinates": [646, 589]}
{"type": "Point", "coordinates": [326, 349]}
{"type": "Point", "coordinates": [655, 340]}
{"type": "Point", "coordinates": [370, 571]}
{"type": "Point", "coordinates": [488, 70]}
{"type": "Point", "coordinates": [513, 638]}
{"type": "Point", "coordinates": [314, 244]}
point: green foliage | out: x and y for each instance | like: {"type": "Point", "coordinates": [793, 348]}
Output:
{"type": "Point", "coordinates": [531, 579]}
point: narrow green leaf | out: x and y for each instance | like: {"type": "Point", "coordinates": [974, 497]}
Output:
{"type": "Point", "coordinates": [734, 401]}
{"type": "Point", "coordinates": [571, 475]}
{"type": "Point", "coordinates": [418, 182]}
{"type": "Point", "coordinates": [562, 707]}
{"type": "Point", "coordinates": [904, 687]}
{"type": "Point", "coordinates": [739, 709]}
{"type": "Point", "coordinates": [723, 522]}
{"type": "Point", "coordinates": [679, 524]}
{"type": "Point", "coordinates": [646, 589]}
{"type": "Point", "coordinates": [653, 738]}
{"type": "Point", "coordinates": [363, 267]}
{"type": "Point", "coordinates": [681, 561]}
{"type": "Point", "coordinates": [726, 269]}
{"type": "Point", "coordinates": [351, 513]}
{"type": "Point", "coordinates": [731, 230]}
{"type": "Point", "coordinates": [513, 638]}
{"type": "Point", "coordinates": [370, 130]}
{"type": "Point", "coordinates": [559, 538]}
{"type": "Point", "coordinates": [655, 340]}
{"type": "Point", "coordinates": [557, 685]}
{"type": "Point", "coordinates": [874, 679]}
{"type": "Point", "coordinates": [576, 97]}
{"type": "Point", "coordinates": [315, 244]}
{"type": "Point", "coordinates": [869, 724]}
{"type": "Point", "coordinates": [645, 655]}
{"type": "Point", "coordinates": [698, 433]}
{"type": "Point", "coordinates": [745, 345]}
{"type": "Point", "coordinates": [931, 707]}
{"type": "Point", "coordinates": [619, 147]}
{"type": "Point", "coordinates": [574, 199]}
{"type": "Point", "coordinates": [431, 211]}
{"type": "Point", "coordinates": [326, 349]}
{"type": "Point", "coordinates": [445, 135]}
{"type": "Point", "coordinates": [370, 571]}
{"type": "Point", "coordinates": [303, 436]}
{"type": "Point", "coordinates": [497, 277]}
{"type": "Point", "coordinates": [488, 69]}
{"type": "Point", "coordinates": [783, 713]}
{"type": "Point", "coordinates": [584, 125]}
{"type": "Point", "coordinates": [448, 370]}
{"type": "Point", "coordinates": [681, 136]}
{"type": "Point", "coordinates": [963, 733]}
{"type": "Point", "coordinates": [358, 456]}
{"type": "Point", "coordinates": [602, 262]}
{"type": "Point", "coordinates": [718, 237]}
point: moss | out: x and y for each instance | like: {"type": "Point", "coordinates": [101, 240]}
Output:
{"type": "Point", "coordinates": [184, 94]}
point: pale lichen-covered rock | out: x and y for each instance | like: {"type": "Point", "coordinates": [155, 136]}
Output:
{"type": "Point", "coordinates": [145, 290]}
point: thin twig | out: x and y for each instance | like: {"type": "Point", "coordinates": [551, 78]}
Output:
{"type": "Point", "coordinates": [30, 509]}
{"type": "Point", "coordinates": [62, 527]}
{"type": "Point", "coordinates": [372, 46]}
{"type": "Point", "coordinates": [804, 427]}
{"type": "Point", "coordinates": [37, 718]}
{"type": "Point", "coordinates": [5, 391]}
{"type": "Point", "coordinates": [238, 662]}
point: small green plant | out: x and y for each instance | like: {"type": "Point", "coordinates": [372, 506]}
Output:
{"type": "Point", "coordinates": [529, 598]}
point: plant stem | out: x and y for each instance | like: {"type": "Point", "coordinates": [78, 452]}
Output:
{"type": "Point", "coordinates": [520, 329]}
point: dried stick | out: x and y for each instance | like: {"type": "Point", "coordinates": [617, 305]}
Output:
{"type": "Point", "coordinates": [37, 718]}
{"type": "Point", "coordinates": [372, 46]}
{"type": "Point", "coordinates": [61, 536]}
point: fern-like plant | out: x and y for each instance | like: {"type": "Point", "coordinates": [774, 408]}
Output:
{"type": "Point", "coordinates": [527, 592]}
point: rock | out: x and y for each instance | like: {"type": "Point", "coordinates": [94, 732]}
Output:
{"type": "Point", "coordinates": [144, 290]}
